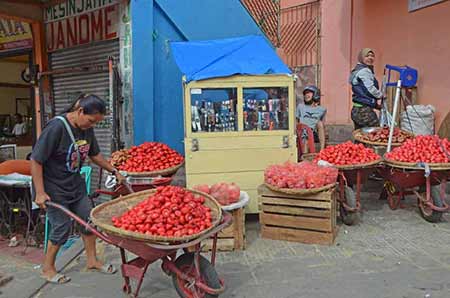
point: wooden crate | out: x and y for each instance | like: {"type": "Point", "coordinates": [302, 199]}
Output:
{"type": "Point", "coordinates": [232, 237]}
{"type": "Point", "coordinates": [308, 219]}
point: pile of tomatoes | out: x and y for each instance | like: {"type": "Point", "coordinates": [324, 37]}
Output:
{"type": "Point", "coordinates": [429, 149]}
{"type": "Point", "coordinates": [150, 157]}
{"type": "Point", "coordinates": [172, 211]}
{"type": "Point", "coordinates": [382, 135]}
{"type": "Point", "coordinates": [347, 154]}
{"type": "Point", "coordinates": [304, 175]}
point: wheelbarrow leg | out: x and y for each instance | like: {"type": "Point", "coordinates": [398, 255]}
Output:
{"type": "Point", "coordinates": [126, 285]}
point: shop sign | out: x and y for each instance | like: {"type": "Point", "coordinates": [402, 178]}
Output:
{"type": "Point", "coordinates": [77, 22]}
{"type": "Point", "coordinates": [418, 4]}
{"type": "Point", "coordinates": [15, 35]}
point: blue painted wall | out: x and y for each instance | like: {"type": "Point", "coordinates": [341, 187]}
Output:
{"type": "Point", "coordinates": [157, 85]}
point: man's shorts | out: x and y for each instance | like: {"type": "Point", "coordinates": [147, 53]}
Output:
{"type": "Point", "coordinates": [315, 134]}
{"type": "Point", "coordinates": [61, 223]}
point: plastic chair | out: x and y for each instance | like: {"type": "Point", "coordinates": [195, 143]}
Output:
{"type": "Point", "coordinates": [309, 132]}
{"type": "Point", "coordinates": [87, 172]}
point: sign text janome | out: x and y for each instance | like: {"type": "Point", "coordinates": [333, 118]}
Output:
{"type": "Point", "coordinates": [77, 22]}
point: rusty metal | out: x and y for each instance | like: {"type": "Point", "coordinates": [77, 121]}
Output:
{"type": "Point", "coordinates": [300, 35]}
{"type": "Point", "coordinates": [266, 14]}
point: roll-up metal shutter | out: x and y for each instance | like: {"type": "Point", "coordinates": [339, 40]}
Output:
{"type": "Point", "coordinates": [68, 85]}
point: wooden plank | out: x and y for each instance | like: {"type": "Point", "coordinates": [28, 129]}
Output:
{"type": "Point", "coordinates": [203, 162]}
{"type": "Point", "coordinates": [296, 211]}
{"type": "Point", "coordinates": [300, 222]}
{"type": "Point", "coordinates": [321, 196]}
{"type": "Point", "coordinates": [303, 236]}
{"type": "Point", "coordinates": [296, 202]}
{"type": "Point", "coordinates": [239, 229]}
{"type": "Point", "coordinates": [223, 244]}
{"type": "Point", "coordinates": [228, 232]}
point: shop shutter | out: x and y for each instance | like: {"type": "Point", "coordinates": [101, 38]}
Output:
{"type": "Point", "coordinates": [68, 85]}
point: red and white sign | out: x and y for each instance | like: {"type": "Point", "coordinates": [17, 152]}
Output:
{"type": "Point", "coordinates": [78, 22]}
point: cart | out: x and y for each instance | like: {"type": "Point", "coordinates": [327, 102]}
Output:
{"type": "Point", "coordinates": [351, 178]}
{"type": "Point", "coordinates": [193, 275]}
{"type": "Point", "coordinates": [427, 182]}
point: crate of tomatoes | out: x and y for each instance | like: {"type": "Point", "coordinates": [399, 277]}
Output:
{"type": "Point", "coordinates": [300, 178]}
{"type": "Point", "coordinates": [148, 159]}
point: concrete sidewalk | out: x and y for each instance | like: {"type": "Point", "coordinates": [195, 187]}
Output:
{"type": "Point", "coordinates": [388, 254]}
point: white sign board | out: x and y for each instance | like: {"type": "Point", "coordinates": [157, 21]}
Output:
{"type": "Point", "coordinates": [76, 22]}
{"type": "Point", "coordinates": [418, 4]}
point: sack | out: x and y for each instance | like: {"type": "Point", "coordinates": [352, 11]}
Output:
{"type": "Point", "coordinates": [418, 119]}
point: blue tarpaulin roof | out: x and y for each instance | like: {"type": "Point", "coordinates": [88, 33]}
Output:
{"type": "Point", "coordinates": [248, 55]}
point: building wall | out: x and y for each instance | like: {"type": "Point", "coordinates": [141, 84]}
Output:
{"type": "Point", "coordinates": [157, 81]}
{"type": "Point", "coordinates": [11, 74]}
{"type": "Point", "coordinates": [418, 39]}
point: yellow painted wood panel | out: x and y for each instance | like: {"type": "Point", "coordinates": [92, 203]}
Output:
{"type": "Point", "coordinates": [235, 160]}
{"type": "Point", "coordinates": [253, 205]}
{"type": "Point", "coordinates": [245, 180]}
{"type": "Point", "coordinates": [240, 142]}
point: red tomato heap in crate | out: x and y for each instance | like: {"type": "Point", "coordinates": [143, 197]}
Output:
{"type": "Point", "coordinates": [429, 149]}
{"type": "Point", "coordinates": [347, 154]}
{"type": "Point", "coordinates": [147, 157]}
{"type": "Point", "coordinates": [171, 211]}
{"type": "Point", "coordinates": [304, 175]}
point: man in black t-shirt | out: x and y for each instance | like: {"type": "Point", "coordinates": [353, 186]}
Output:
{"type": "Point", "coordinates": [56, 161]}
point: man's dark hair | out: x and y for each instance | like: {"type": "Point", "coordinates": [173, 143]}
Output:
{"type": "Point", "coordinates": [91, 105]}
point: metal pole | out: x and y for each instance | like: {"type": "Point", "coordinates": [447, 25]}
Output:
{"type": "Point", "coordinates": [394, 114]}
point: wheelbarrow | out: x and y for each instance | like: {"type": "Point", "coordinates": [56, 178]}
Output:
{"type": "Point", "coordinates": [426, 181]}
{"type": "Point", "coordinates": [193, 275]}
{"type": "Point", "coordinates": [351, 178]}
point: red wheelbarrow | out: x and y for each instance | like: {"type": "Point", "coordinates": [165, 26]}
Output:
{"type": "Point", "coordinates": [351, 178]}
{"type": "Point", "coordinates": [193, 275]}
{"type": "Point", "coordinates": [426, 181]}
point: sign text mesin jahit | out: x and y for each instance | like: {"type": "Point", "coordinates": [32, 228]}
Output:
{"type": "Point", "coordinates": [77, 22]}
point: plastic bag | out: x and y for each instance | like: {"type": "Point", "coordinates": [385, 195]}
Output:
{"type": "Point", "coordinates": [418, 119]}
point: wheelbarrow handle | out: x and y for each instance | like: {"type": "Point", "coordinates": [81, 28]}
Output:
{"type": "Point", "coordinates": [75, 217]}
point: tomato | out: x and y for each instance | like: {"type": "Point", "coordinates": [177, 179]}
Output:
{"type": "Point", "coordinates": [429, 149]}
{"type": "Point", "coordinates": [150, 156]}
{"type": "Point", "coordinates": [166, 213]}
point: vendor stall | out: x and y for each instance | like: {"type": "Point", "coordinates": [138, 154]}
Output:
{"type": "Point", "coordinates": [239, 111]}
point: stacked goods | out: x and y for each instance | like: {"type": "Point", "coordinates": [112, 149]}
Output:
{"type": "Point", "coordinates": [304, 175]}
{"type": "Point", "coordinates": [171, 211]}
{"type": "Point", "coordinates": [147, 157]}
{"type": "Point", "coordinates": [382, 136]}
{"type": "Point", "coordinates": [118, 158]}
{"type": "Point", "coordinates": [429, 149]}
{"type": "Point", "coordinates": [347, 154]}
{"type": "Point", "coordinates": [224, 193]}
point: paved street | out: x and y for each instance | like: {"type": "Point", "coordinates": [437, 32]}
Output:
{"type": "Point", "coordinates": [389, 254]}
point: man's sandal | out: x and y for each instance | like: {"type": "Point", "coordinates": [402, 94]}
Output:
{"type": "Point", "coordinates": [106, 269]}
{"type": "Point", "coordinates": [58, 278]}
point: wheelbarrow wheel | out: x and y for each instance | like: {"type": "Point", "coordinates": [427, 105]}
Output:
{"type": "Point", "coordinates": [427, 213]}
{"type": "Point", "coordinates": [348, 217]}
{"type": "Point", "coordinates": [208, 273]}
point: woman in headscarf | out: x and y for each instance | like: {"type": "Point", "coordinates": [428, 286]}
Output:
{"type": "Point", "coordinates": [366, 91]}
